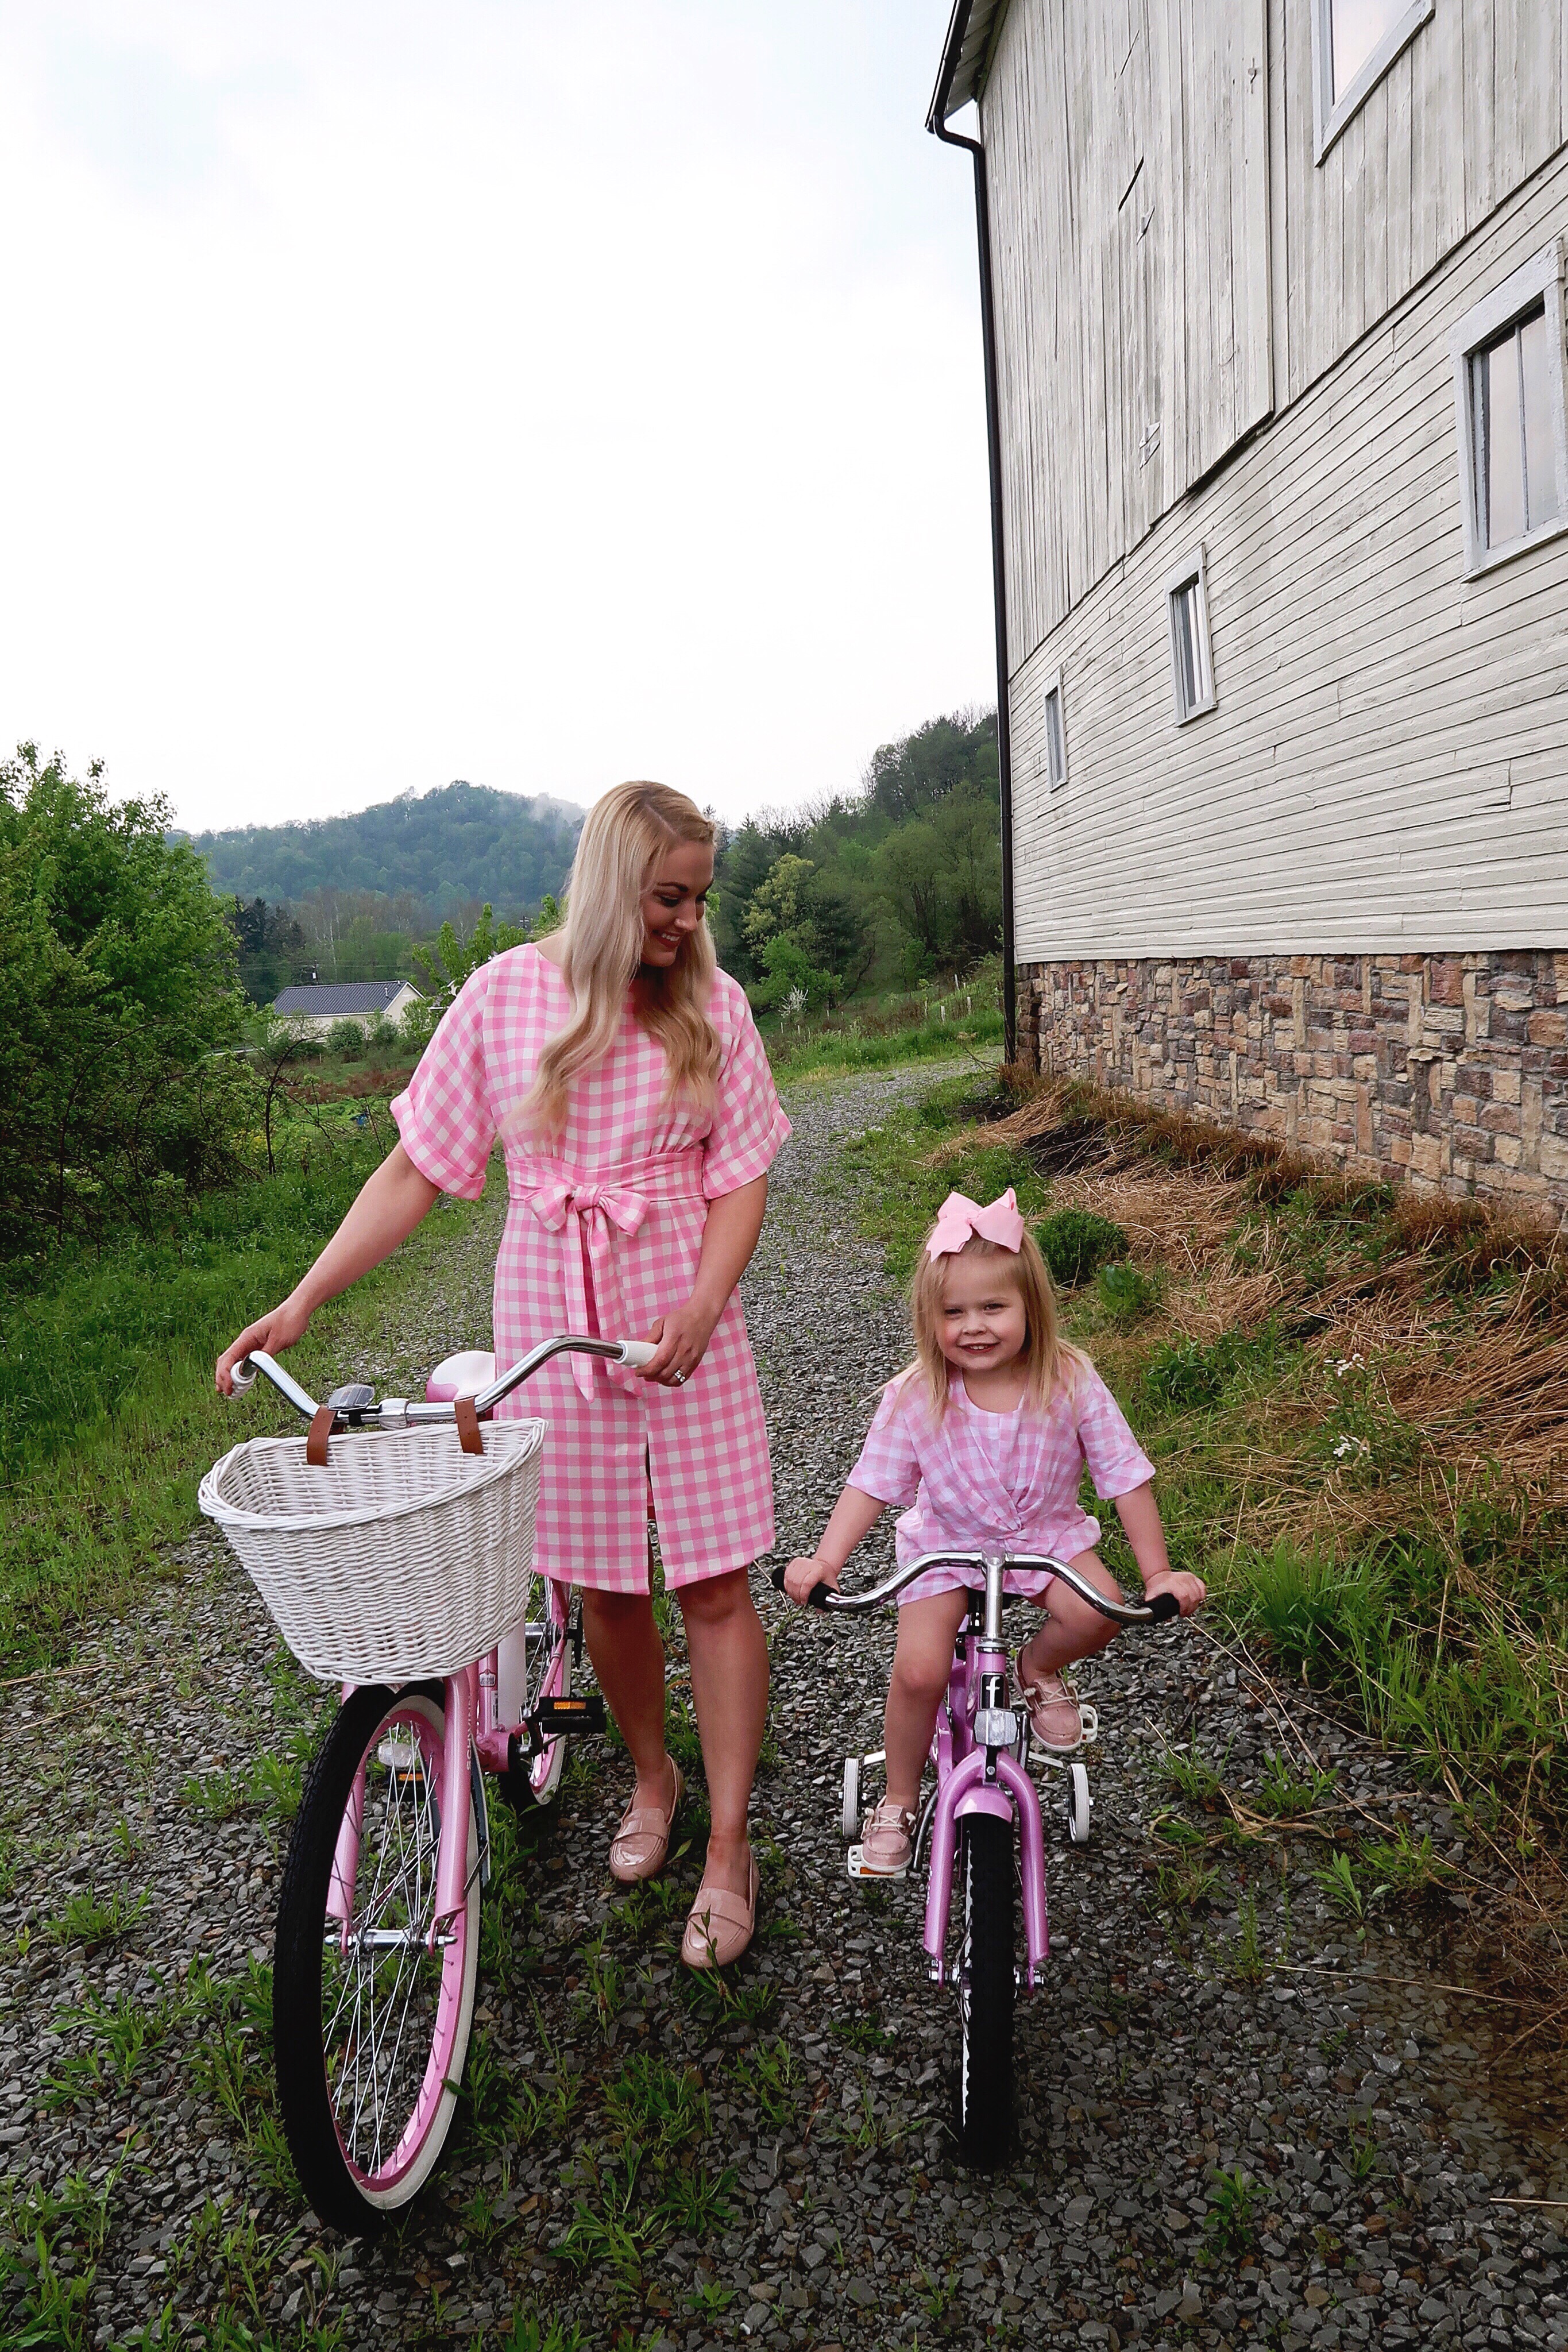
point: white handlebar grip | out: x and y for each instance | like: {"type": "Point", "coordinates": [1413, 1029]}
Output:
{"type": "Point", "coordinates": [243, 1375]}
{"type": "Point", "coordinates": [637, 1352]}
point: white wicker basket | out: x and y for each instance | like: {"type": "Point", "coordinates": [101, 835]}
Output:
{"type": "Point", "coordinates": [400, 1556]}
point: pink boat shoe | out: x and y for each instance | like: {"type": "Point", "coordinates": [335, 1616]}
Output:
{"type": "Point", "coordinates": [887, 1847]}
{"type": "Point", "coordinates": [640, 1844]}
{"type": "Point", "coordinates": [1055, 1716]}
{"type": "Point", "coordinates": [721, 1924]}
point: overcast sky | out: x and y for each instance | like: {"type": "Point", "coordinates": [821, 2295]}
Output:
{"type": "Point", "coordinates": [538, 393]}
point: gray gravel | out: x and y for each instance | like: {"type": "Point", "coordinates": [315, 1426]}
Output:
{"type": "Point", "coordinates": [1374, 2113]}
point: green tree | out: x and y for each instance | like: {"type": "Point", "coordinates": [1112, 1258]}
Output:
{"type": "Point", "coordinates": [449, 963]}
{"type": "Point", "coordinates": [118, 998]}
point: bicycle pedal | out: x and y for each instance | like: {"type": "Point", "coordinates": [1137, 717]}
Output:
{"type": "Point", "coordinates": [556, 1716]}
{"type": "Point", "coordinates": [855, 1865]}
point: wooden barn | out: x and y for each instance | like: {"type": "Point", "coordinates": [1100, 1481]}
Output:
{"type": "Point", "coordinates": [1274, 300]}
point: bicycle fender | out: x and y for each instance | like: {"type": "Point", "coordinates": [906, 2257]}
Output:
{"type": "Point", "coordinates": [982, 1800]}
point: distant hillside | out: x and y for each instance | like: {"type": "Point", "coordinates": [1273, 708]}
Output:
{"type": "Point", "coordinates": [445, 849]}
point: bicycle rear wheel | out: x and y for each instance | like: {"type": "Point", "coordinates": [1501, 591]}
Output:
{"type": "Point", "coordinates": [985, 1990]}
{"type": "Point", "coordinates": [370, 2026]}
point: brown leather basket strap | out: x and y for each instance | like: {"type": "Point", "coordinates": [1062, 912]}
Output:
{"type": "Point", "coordinates": [321, 1421]}
{"type": "Point", "coordinates": [468, 1422]}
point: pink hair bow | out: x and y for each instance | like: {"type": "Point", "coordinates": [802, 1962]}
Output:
{"type": "Point", "coordinates": [958, 1219]}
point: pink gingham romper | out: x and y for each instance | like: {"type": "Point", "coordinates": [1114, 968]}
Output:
{"type": "Point", "coordinates": [997, 1481]}
{"type": "Point", "coordinates": [603, 1236]}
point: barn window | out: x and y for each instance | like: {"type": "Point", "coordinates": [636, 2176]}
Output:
{"type": "Point", "coordinates": [1054, 732]}
{"type": "Point", "coordinates": [1508, 396]}
{"type": "Point", "coordinates": [1192, 668]}
{"type": "Point", "coordinates": [1354, 42]}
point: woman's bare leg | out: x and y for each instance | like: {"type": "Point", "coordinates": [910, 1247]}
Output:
{"type": "Point", "coordinates": [629, 1659]}
{"type": "Point", "coordinates": [921, 1663]}
{"type": "Point", "coordinates": [1072, 1630]}
{"type": "Point", "coordinates": [729, 1654]}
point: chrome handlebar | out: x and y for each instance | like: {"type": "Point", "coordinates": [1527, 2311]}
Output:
{"type": "Point", "coordinates": [1164, 1605]}
{"type": "Point", "coordinates": [396, 1411]}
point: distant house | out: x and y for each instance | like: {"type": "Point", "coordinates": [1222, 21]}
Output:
{"type": "Point", "coordinates": [313, 1009]}
{"type": "Point", "coordinates": [1278, 398]}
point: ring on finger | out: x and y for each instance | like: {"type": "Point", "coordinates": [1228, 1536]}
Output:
{"type": "Point", "coordinates": [677, 1380]}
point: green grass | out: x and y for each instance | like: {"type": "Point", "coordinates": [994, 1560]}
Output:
{"type": "Point", "coordinates": [108, 1415]}
{"type": "Point", "coordinates": [825, 1054]}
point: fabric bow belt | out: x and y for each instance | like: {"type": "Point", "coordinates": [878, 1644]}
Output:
{"type": "Point", "coordinates": [588, 1211]}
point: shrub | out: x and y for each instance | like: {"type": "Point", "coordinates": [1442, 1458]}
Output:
{"type": "Point", "coordinates": [1074, 1243]}
{"type": "Point", "coordinates": [347, 1039]}
{"type": "Point", "coordinates": [1125, 1292]}
{"type": "Point", "coordinates": [1185, 1373]}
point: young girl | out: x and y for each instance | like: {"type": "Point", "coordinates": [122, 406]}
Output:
{"type": "Point", "coordinates": [986, 1435]}
{"type": "Point", "coordinates": [623, 1074]}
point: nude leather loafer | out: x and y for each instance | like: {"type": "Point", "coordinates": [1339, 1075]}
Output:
{"type": "Point", "coordinates": [720, 1926]}
{"type": "Point", "coordinates": [640, 1844]}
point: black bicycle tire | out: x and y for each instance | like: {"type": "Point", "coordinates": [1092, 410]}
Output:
{"type": "Point", "coordinates": [983, 2091]}
{"type": "Point", "coordinates": [303, 2097]}
{"type": "Point", "coordinates": [516, 1786]}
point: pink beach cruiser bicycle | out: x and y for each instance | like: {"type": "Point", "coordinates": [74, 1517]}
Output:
{"type": "Point", "coordinates": [982, 1825]}
{"type": "Point", "coordinates": [394, 1546]}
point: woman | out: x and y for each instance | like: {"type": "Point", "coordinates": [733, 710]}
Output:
{"type": "Point", "coordinates": [624, 1074]}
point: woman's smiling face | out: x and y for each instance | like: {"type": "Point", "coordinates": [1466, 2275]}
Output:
{"type": "Point", "coordinates": [675, 901]}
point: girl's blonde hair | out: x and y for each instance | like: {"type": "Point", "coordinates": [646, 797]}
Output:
{"type": "Point", "coordinates": [626, 833]}
{"type": "Point", "coordinates": [1049, 1361]}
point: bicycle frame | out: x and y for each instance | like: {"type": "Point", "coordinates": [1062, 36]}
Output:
{"type": "Point", "coordinates": [981, 1742]}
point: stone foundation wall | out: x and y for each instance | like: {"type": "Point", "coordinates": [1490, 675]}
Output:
{"type": "Point", "coordinates": [1448, 1072]}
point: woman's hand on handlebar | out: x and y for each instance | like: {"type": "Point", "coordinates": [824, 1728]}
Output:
{"type": "Point", "coordinates": [272, 1334]}
{"type": "Point", "coordinates": [1191, 1591]}
{"type": "Point", "coordinates": [801, 1577]}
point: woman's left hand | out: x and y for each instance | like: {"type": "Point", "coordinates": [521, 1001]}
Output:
{"type": "Point", "coordinates": [681, 1339]}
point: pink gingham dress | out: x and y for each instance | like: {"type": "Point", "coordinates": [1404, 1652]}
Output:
{"type": "Point", "coordinates": [602, 1235]}
{"type": "Point", "coordinates": [997, 1481]}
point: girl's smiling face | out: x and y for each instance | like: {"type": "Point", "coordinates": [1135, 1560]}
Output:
{"type": "Point", "coordinates": [981, 1324]}
{"type": "Point", "coordinates": [675, 901]}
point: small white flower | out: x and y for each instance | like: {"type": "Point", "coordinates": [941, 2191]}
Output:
{"type": "Point", "coordinates": [1356, 1363]}
{"type": "Point", "coordinates": [1356, 1447]}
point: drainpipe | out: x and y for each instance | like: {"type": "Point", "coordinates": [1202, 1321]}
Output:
{"type": "Point", "coordinates": [998, 574]}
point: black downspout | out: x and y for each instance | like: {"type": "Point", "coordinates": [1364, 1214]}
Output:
{"type": "Point", "coordinates": [998, 572]}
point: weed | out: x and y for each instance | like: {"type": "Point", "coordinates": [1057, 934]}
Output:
{"type": "Point", "coordinates": [529, 2331]}
{"type": "Point", "coordinates": [1407, 1867]}
{"type": "Point", "coordinates": [1125, 1292]}
{"type": "Point", "coordinates": [1074, 1243]}
{"type": "Point", "coordinates": [1339, 1882]}
{"type": "Point", "coordinates": [707, 2299]}
{"type": "Point", "coordinates": [697, 2204]}
{"type": "Point", "coordinates": [1230, 2225]}
{"type": "Point", "coordinates": [1185, 1771]}
{"type": "Point", "coordinates": [862, 2034]}
{"type": "Point", "coordinates": [601, 1981]}
{"type": "Point", "coordinates": [86, 1920]}
{"type": "Point", "coordinates": [1247, 1964]}
{"type": "Point", "coordinates": [769, 2075]}
{"type": "Point", "coordinates": [1188, 1887]}
{"type": "Point", "coordinates": [649, 2102]}
{"type": "Point", "coordinates": [1284, 1796]}
{"type": "Point", "coordinates": [1362, 2155]}
{"type": "Point", "coordinates": [1184, 1375]}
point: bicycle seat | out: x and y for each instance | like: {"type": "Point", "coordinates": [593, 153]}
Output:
{"type": "Point", "coordinates": [458, 1376]}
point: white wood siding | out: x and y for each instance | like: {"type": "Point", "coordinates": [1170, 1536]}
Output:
{"type": "Point", "coordinates": [1387, 767]}
{"type": "Point", "coordinates": [1172, 260]}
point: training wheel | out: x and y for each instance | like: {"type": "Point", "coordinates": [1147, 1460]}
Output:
{"type": "Point", "coordinates": [850, 1822]}
{"type": "Point", "coordinates": [1079, 1805]}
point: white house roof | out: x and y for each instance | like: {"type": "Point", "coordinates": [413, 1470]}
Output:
{"type": "Point", "coordinates": [971, 37]}
{"type": "Point", "coordinates": [343, 1000]}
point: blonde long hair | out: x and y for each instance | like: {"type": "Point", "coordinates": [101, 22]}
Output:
{"type": "Point", "coordinates": [626, 833]}
{"type": "Point", "coordinates": [1049, 1361]}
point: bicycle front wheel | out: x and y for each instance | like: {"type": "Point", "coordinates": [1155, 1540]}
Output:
{"type": "Point", "coordinates": [370, 2024]}
{"type": "Point", "coordinates": [985, 1990]}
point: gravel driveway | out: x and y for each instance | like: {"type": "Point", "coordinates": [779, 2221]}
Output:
{"type": "Point", "coordinates": [1242, 2116]}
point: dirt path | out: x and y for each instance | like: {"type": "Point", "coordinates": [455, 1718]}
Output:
{"type": "Point", "coordinates": [806, 2191]}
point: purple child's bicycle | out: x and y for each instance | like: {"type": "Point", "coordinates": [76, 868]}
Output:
{"type": "Point", "coordinates": [394, 1549]}
{"type": "Point", "coordinates": [982, 1822]}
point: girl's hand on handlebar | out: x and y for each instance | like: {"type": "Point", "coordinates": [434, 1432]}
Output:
{"type": "Point", "coordinates": [802, 1576]}
{"type": "Point", "coordinates": [1191, 1591]}
{"type": "Point", "coordinates": [272, 1334]}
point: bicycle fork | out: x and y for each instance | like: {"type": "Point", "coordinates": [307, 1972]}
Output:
{"type": "Point", "coordinates": [460, 1715]}
{"type": "Point", "coordinates": [979, 1772]}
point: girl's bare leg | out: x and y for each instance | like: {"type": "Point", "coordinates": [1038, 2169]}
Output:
{"type": "Point", "coordinates": [921, 1663]}
{"type": "Point", "coordinates": [629, 1659]}
{"type": "Point", "coordinates": [729, 1654]}
{"type": "Point", "coordinates": [1071, 1630]}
